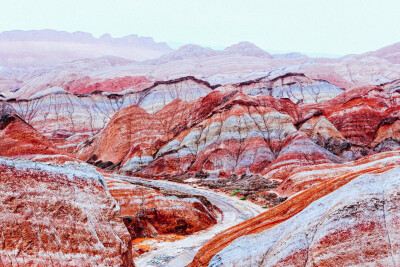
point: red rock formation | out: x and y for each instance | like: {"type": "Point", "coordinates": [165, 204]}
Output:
{"type": "Point", "coordinates": [306, 177]}
{"type": "Point", "coordinates": [324, 134]}
{"type": "Point", "coordinates": [296, 86]}
{"type": "Point", "coordinates": [19, 139]}
{"type": "Point", "coordinates": [388, 135]}
{"type": "Point", "coordinates": [55, 111]}
{"type": "Point", "coordinates": [371, 230]}
{"type": "Point", "coordinates": [59, 215]}
{"type": "Point", "coordinates": [88, 85]}
{"type": "Point", "coordinates": [158, 213]}
{"type": "Point", "coordinates": [284, 136]}
{"type": "Point", "coordinates": [148, 212]}
{"type": "Point", "coordinates": [192, 137]}
{"type": "Point", "coordinates": [132, 131]}
{"type": "Point", "coordinates": [297, 150]}
{"type": "Point", "coordinates": [355, 119]}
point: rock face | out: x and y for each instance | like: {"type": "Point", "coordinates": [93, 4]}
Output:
{"type": "Point", "coordinates": [355, 114]}
{"type": "Point", "coordinates": [315, 141]}
{"type": "Point", "coordinates": [303, 178]}
{"type": "Point", "coordinates": [357, 121]}
{"type": "Point", "coordinates": [342, 228]}
{"type": "Point", "coordinates": [87, 85]}
{"type": "Point", "coordinates": [238, 63]}
{"type": "Point", "coordinates": [359, 225]}
{"type": "Point", "coordinates": [56, 110]}
{"type": "Point", "coordinates": [149, 212]}
{"type": "Point", "coordinates": [93, 213]}
{"type": "Point", "coordinates": [186, 127]}
{"type": "Point", "coordinates": [223, 133]}
{"type": "Point", "coordinates": [59, 215]}
{"type": "Point", "coordinates": [19, 139]}
{"type": "Point", "coordinates": [295, 86]}
{"type": "Point", "coordinates": [228, 132]}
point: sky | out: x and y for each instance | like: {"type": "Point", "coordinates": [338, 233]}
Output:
{"type": "Point", "coordinates": [331, 27]}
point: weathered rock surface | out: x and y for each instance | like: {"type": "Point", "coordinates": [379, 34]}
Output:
{"type": "Point", "coordinates": [19, 139]}
{"type": "Point", "coordinates": [56, 111]}
{"type": "Point", "coordinates": [346, 227]}
{"type": "Point", "coordinates": [312, 140]}
{"type": "Point", "coordinates": [359, 224]}
{"type": "Point", "coordinates": [59, 215]}
{"type": "Point", "coordinates": [295, 86]}
{"type": "Point", "coordinates": [87, 85]}
{"type": "Point", "coordinates": [356, 122]}
{"type": "Point", "coordinates": [238, 63]}
{"type": "Point", "coordinates": [149, 212]}
{"type": "Point", "coordinates": [230, 133]}
{"type": "Point", "coordinates": [223, 133]}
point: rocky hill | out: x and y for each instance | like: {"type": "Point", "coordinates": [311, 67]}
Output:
{"type": "Point", "coordinates": [105, 160]}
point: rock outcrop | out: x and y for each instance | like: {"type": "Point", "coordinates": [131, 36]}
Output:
{"type": "Point", "coordinates": [228, 132]}
{"type": "Point", "coordinates": [295, 86]}
{"type": "Point", "coordinates": [329, 214]}
{"type": "Point", "coordinates": [149, 212]}
{"type": "Point", "coordinates": [59, 215]}
{"type": "Point", "coordinates": [19, 139]}
{"type": "Point", "coordinates": [221, 134]}
{"type": "Point", "coordinates": [313, 140]}
{"type": "Point", "coordinates": [55, 110]}
{"type": "Point", "coordinates": [342, 228]}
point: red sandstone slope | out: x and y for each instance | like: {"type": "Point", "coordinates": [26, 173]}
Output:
{"type": "Point", "coordinates": [82, 217]}
{"type": "Point", "coordinates": [237, 64]}
{"type": "Point", "coordinates": [87, 85]}
{"type": "Point", "coordinates": [303, 178]}
{"type": "Point", "coordinates": [59, 215]}
{"type": "Point", "coordinates": [229, 140]}
{"type": "Point", "coordinates": [297, 203]}
{"type": "Point", "coordinates": [355, 123]}
{"type": "Point", "coordinates": [223, 133]}
{"type": "Point", "coordinates": [148, 212]}
{"type": "Point", "coordinates": [156, 213]}
{"type": "Point", "coordinates": [132, 130]}
{"type": "Point", "coordinates": [19, 139]}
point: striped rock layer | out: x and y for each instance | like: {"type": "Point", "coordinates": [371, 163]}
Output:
{"type": "Point", "coordinates": [228, 132]}
{"type": "Point", "coordinates": [325, 221]}
{"type": "Point", "coordinates": [59, 215]}
{"type": "Point", "coordinates": [223, 133]}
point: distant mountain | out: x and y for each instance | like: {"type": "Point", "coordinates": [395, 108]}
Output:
{"type": "Point", "coordinates": [192, 51]}
{"type": "Point", "coordinates": [390, 53]}
{"type": "Point", "coordinates": [25, 49]}
{"type": "Point", "coordinates": [189, 51]}
{"type": "Point", "coordinates": [294, 55]}
{"type": "Point", "coordinates": [247, 49]}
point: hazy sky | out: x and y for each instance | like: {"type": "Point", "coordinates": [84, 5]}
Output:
{"type": "Point", "coordinates": [310, 26]}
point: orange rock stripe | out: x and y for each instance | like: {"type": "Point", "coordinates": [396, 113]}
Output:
{"type": "Point", "coordinates": [276, 215]}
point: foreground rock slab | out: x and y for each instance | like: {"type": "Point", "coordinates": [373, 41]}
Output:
{"type": "Point", "coordinates": [59, 215]}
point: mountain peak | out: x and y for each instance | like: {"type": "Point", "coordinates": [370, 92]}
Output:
{"type": "Point", "coordinates": [190, 51]}
{"type": "Point", "coordinates": [247, 49]}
